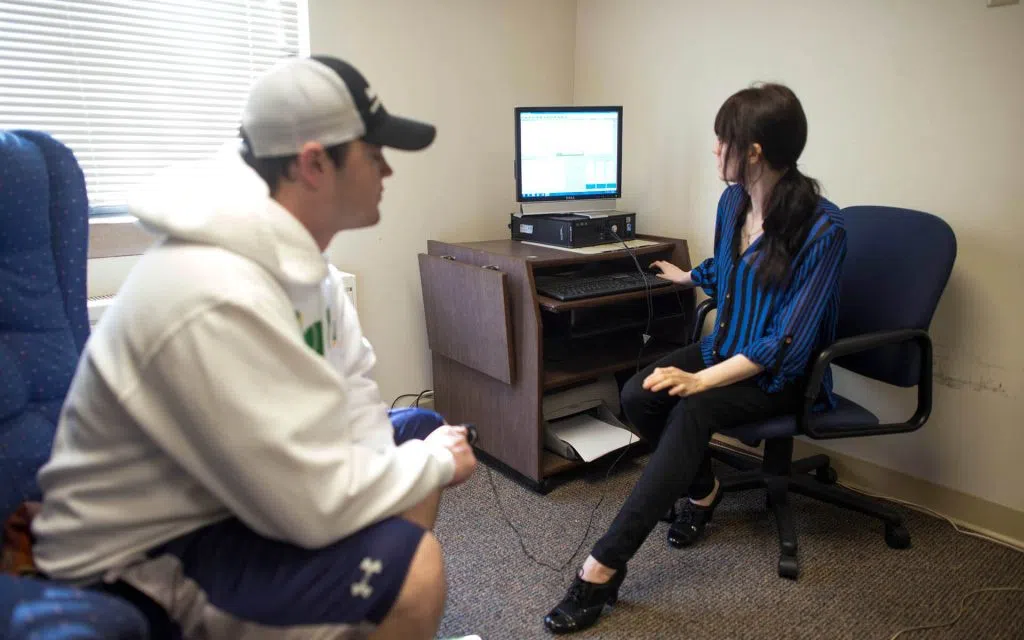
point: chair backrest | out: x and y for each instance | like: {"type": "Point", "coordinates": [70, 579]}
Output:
{"type": "Point", "coordinates": [897, 265]}
{"type": "Point", "coordinates": [44, 321]}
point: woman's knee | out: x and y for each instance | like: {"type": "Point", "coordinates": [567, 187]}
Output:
{"type": "Point", "coordinates": [634, 398]}
{"type": "Point", "coordinates": [694, 417]}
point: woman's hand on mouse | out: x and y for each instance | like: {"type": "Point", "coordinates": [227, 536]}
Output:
{"type": "Point", "coordinates": [669, 271]}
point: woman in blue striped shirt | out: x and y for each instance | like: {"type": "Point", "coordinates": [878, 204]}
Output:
{"type": "Point", "coordinates": [779, 248]}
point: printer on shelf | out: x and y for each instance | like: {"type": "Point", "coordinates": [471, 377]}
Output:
{"type": "Point", "coordinates": [581, 423]}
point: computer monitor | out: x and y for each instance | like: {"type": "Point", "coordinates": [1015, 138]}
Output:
{"type": "Point", "coordinates": [568, 153]}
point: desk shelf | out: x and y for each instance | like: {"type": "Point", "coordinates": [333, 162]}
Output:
{"type": "Point", "coordinates": [559, 306]}
{"type": "Point", "coordinates": [611, 359]}
{"type": "Point", "coordinates": [486, 328]}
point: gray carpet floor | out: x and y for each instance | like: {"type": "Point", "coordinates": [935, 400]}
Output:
{"type": "Point", "coordinates": [851, 584]}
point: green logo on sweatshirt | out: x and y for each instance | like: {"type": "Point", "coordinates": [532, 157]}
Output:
{"type": "Point", "coordinates": [314, 335]}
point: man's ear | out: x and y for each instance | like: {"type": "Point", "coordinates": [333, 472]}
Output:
{"type": "Point", "coordinates": [310, 167]}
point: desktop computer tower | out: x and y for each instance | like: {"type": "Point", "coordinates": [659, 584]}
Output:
{"type": "Point", "coordinates": [574, 230]}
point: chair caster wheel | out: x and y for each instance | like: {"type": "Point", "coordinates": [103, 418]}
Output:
{"type": "Point", "coordinates": [826, 475]}
{"type": "Point", "coordinates": [789, 567]}
{"type": "Point", "coordinates": [897, 536]}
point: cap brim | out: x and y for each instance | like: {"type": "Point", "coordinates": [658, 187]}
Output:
{"type": "Point", "coordinates": [402, 133]}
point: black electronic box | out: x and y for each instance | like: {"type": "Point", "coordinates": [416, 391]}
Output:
{"type": "Point", "coordinates": [574, 230]}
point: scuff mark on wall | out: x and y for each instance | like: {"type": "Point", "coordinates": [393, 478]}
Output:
{"type": "Point", "coordinates": [982, 385]}
{"type": "Point", "coordinates": [959, 370]}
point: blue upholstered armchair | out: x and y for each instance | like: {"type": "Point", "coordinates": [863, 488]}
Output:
{"type": "Point", "coordinates": [43, 328]}
{"type": "Point", "coordinates": [897, 266]}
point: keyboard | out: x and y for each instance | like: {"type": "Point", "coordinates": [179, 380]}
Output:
{"type": "Point", "coordinates": [567, 288]}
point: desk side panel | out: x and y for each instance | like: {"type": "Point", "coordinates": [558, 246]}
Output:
{"type": "Point", "coordinates": [507, 415]}
{"type": "Point", "coordinates": [467, 315]}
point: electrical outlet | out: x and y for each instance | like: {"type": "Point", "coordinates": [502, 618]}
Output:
{"type": "Point", "coordinates": [1001, 3]}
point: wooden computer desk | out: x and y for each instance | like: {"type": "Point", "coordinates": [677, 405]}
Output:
{"type": "Point", "coordinates": [498, 346]}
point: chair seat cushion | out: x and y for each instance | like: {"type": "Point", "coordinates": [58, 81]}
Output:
{"type": "Point", "coordinates": [846, 413]}
{"type": "Point", "coordinates": [31, 608]}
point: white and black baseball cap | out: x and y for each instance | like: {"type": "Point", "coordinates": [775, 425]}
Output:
{"type": "Point", "coordinates": [326, 100]}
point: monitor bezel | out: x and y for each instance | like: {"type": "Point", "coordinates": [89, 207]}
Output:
{"type": "Point", "coordinates": [566, 109]}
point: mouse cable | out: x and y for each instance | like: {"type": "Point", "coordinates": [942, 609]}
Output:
{"type": "Point", "coordinates": [960, 613]}
{"type": "Point", "coordinates": [419, 396]}
{"type": "Point", "coordinates": [604, 494]}
{"type": "Point", "coordinates": [650, 299]}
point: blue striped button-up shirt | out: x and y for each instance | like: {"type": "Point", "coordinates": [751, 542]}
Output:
{"type": "Point", "coordinates": [779, 328]}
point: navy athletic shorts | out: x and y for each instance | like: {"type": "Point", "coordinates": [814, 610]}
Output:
{"type": "Point", "coordinates": [225, 581]}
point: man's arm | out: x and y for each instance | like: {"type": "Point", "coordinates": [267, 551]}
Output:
{"type": "Point", "coordinates": [245, 407]}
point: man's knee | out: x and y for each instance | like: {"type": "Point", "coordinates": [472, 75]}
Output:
{"type": "Point", "coordinates": [414, 423]}
{"type": "Point", "coordinates": [421, 599]}
{"type": "Point", "coordinates": [431, 419]}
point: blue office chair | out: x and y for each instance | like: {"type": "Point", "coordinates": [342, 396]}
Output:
{"type": "Point", "coordinates": [43, 327]}
{"type": "Point", "coordinates": [897, 266]}
{"type": "Point", "coordinates": [32, 609]}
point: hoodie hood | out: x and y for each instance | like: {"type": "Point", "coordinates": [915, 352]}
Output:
{"type": "Point", "coordinates": [222, 201]}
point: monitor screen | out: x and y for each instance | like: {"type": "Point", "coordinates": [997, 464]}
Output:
{"type": "Point", "coordinates": [568, 153]}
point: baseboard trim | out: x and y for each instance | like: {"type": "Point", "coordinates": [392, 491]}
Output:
{"type": "Point", "coordinates": [967, 511]}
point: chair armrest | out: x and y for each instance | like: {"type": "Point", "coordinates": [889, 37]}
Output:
{"type": "Point", "coordinates": [867, 342]}
{"type": "Point", "coordinates": [701, 314]}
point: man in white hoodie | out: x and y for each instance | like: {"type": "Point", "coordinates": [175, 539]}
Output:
{"type": "Point", "coordinates": [223, 455]}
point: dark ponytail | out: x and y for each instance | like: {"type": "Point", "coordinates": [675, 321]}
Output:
{"type": "Point", "coordinates": [787, 219]}
{"type": "Point", "coordinates": [771, 115]}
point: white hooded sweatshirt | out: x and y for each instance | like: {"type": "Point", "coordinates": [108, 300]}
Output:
{"type": "Point", "coordinates": [230, 377]}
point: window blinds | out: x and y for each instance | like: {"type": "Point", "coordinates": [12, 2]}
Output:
{"type": "Point", "coordinates": [134, 85]}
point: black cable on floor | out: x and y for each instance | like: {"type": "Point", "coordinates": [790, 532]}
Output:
{"type": "Point", "coordinates": [604, 494]}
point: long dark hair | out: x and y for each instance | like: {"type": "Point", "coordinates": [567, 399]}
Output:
{"type": "Point", "coordinates": [771, 115]}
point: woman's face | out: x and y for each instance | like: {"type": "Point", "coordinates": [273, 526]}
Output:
{"type": "Point", "coordinates": [732, 173]}
{"type": "Point", "coordinates": [720, 151]}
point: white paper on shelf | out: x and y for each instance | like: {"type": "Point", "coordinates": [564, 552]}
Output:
{"type": "Point", "coordinates": [590, 436]}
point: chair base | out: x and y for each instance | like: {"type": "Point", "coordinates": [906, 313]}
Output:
{"type": "Point", "coordinates": [778, 474]}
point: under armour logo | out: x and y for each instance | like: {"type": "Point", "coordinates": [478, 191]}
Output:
{"type": "Point", "coordinates": [371, 95]}
{"type": "Point", "coordinates": [370, 568]}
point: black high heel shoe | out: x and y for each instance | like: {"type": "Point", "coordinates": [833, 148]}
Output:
{"type": "Point", "coordinates": [583, 604]}
{"type": "Point", "coordinates": [690, 522]}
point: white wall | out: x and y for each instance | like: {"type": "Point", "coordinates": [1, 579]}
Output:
{"type": "Point", "coordinates": [462, 65]}
{"type": "Point", "coordinates": [914, 103]}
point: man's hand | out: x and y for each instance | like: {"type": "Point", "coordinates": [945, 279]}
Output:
{"type": "Point", "coordinates": [678, 382]}
{"type": "Point", "coordinates": [454, 439]}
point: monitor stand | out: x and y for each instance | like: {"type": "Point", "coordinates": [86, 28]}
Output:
{"type": "Point", "coordinates": [592, 208]}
